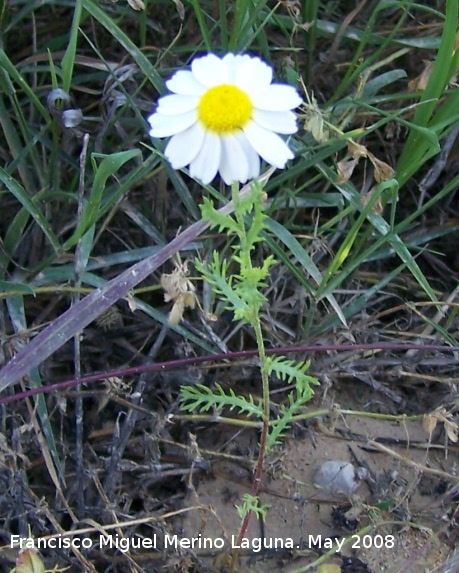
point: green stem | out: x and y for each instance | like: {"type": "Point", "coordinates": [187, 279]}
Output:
{"type": "Point", "coordinates": [263, 439]}
{"type": "Point", "coordinates": [256, 325]}
{"type": "Point", "coordinates": [240, 219]}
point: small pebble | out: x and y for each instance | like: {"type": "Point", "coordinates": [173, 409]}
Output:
{"type": "Point", "coordinates": [339, 477]}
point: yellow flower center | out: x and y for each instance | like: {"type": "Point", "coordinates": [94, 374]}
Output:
{"type": "Point", "coordinates": [225, 109]}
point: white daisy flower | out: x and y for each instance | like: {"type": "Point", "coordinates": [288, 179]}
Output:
{"type": "Point", "coordinates": [224, 115]}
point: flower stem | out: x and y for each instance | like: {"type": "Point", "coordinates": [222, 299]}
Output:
{"type": "Point", "coordinates": [256, 325]}
{"type": "Point", "coordinates": [263, 440]}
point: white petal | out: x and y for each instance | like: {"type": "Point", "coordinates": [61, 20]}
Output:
{"type": "Point", "coordinates": [278, 121]}
{"type": "Point", "coordinates": [177, 103]}
{"type": "Point", "coordinates": [237, 59]}
{"type": "Point", "coordinates": [205, 165]}
{"type": "Point", "coordinates": [233, 63]}
{"type": "Point", "coordinates": [252, 156]}
{"type": "Point", "coordinates": [254, 76]}
{"type": "Point", "coordinates": [185, 146]}
{"type": "Point", "coordinates": [268, 145]}
{"type": "Point", "coordinates": [276, 98]}
{"type": "Point", "coordinates": [185, 82]}
{"type": "Point", "coordinates": [234, 165]}
{"type": "Point", "coordinates": [165, 125]}
{"type": "Point", "coordinates": [210, 70]}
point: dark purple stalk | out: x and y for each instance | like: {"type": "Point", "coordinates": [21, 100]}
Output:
{"type": "Point", "coordinates": [183, 362]}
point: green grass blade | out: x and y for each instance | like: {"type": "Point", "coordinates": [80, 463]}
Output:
{"type": "Point", "coordinates": [383, 228]}
{"type": "Point", "coordinates": [21, 195]}
{"type": "Point", "coordinates": [137, 55]}
{"type": "Point", "coordinates": [110, 165]}
{"type": "Point", "coordinates": [12, 289]}
{"type": "Point", "coordinates": [68, 61]}
{"type": "Point", "coordinates": [203, 27]}
{"type": "Point", "coordinates": [304, 259]}
{"type": "Point", "coordinates": [29, 91]}
{"type": "Point", "coordinates": [417, 150]}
